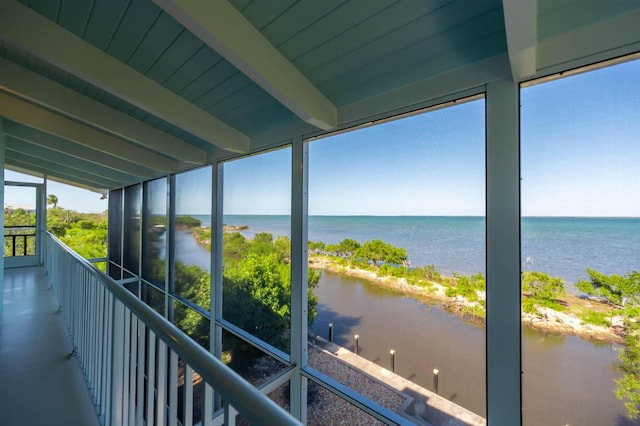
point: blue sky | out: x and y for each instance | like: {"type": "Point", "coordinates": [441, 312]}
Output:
{"type": "Point", "coordinates": [580, 152]}
{"type": "Point", "coordinates": [581, 144]}
{"type": "Point", "coordinates": [69, 197]}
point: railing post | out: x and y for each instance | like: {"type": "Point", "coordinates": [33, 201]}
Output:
{"type": "Point", "coordinates": [117, 363]}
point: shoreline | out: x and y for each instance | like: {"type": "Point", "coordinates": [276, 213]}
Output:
{"type": "Point", "coordinates": [547, 320]}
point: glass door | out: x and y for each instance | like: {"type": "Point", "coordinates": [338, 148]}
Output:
{"type": "Point", "coordinates": [23, 224]}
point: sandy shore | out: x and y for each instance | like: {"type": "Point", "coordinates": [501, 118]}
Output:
{"type": "Point", "coordinates": [546, 319]}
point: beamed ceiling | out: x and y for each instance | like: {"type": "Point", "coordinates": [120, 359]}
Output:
{"type": "Point", "coordinates": [106, 93]}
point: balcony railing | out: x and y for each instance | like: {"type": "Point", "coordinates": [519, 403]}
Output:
{"type": "Point", "coordinates": [139, 368]}
{"type": "Point", "coordinates": [19, 240]}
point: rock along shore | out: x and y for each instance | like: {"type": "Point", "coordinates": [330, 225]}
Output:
{"type": "Point", "coordinates": [546, 319]}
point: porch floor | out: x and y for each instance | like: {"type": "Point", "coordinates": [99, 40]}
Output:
{"type": "Point", "coordinates": [38, 384]}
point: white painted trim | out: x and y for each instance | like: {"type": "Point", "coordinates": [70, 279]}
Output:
{"type": "Point", "coordinates": [521, 27]}
{"type": "Point", "coordinates": [503, 356]}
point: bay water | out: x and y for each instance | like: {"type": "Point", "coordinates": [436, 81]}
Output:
{"type": "Point", "coordinates": [566, 380]}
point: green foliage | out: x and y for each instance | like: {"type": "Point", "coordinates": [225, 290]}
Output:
{"type": "Point", "coordinates": [628, 386]}
{"type": "Point", "coordinates": [612, 287]}
{"type": "Point", "coordinates": [467, 286]}
{"type": "Point", "coordinates": [316, 247]}
{"type": "Point", "coordinates": [187, 222]}
{"type": "Point", "coordinates": [589, 316]}
{"type": "Point", "coordinates": [378, 251]}
{"type": "Point", "coordinates": [85, 233]}
{"type": "Point", "coordinates": [618, 289]}
{"type": "Point", "coordinates": [52, 200]}
{"type": "Point", "coordinates": [544, 289]}
{"type": "Point", "coordinates": [450, 292]}
{"type": "Point", "coordinates": [256, 293]}
{"type": "Point", "coordinates": [528, 305]}
{"type": "Point", "coordinates": [346, 248]}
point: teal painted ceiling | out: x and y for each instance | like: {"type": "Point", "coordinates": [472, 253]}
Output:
{"type": "Point", "coordinates": [106, 93]}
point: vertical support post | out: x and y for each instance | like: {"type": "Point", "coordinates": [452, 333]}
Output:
{"type": "Point", "coordinates": [503, 255]}
{"type": "Point", "coordinates": [117, 363]}
{"type": "Point", "coordinates": [217, 220]}
{"type": "Point", "coordinates": [393, 360]}
{"type": "Point", "coordinates": [299, 278]}
{"type": "Point", "coordinates": [170, 247]}
{"type": "Point", "coordinates": [357, 348]}
{"type": "Point", "coordinates": [2, 145]}
{"type": "Point", "coordinates": [331, 332]}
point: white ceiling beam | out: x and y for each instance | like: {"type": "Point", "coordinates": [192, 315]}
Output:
{"type": "Point", "coordinates": [32, 86]}
{"type": "Point", "coordinates": [51, 122]}
{"type": "Point", "coordinates": [81, 152]}
{"type": "Point", "coordinates": [41, 37]}
{"type": "Point", "coordinates": [225, 30]}
{"type": "Point", "coordinates": [521, 26]}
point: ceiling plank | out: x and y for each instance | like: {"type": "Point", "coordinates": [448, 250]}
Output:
{"type": "Point", "coordinates": [50, 122]}
{"type": "Point", "coordinates": [51, 167]}
{"type": "Point", "coordinates": [73, 180]}
{"type": "Point", "coordinates": [225, 30]}
{"type": "Point", "coordinates": [38, 137]}
{"type": "Point", "coordinates": [521, 27]}
{"type": "Point", "coordinates": [600, 41]}
{"type": "Point", "coordinates": [32, 86]}
{"type": "Point", "coordinates": [65, 160]}
{"type": "Point", "coordinates": [41, 37]}
{"type": "Point", "coordinates": [444, 87]}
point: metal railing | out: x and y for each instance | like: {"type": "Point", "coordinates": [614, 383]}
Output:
{"type": "Point", "coordinates": [137, 365]}
{"type": "Point", "coordinates": [19, 240]}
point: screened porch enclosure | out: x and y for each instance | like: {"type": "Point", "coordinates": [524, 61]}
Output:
{"type": "Point", "coordinates": [193, 117]}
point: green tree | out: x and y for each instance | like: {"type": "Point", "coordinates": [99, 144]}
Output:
{"type": "Point", "coordinates": [623, 289]}
{"type": "Point", "coordinates": [544, 289]}
{"type": "Point", "coordinates": [612, 287]}
{"type": "Point", "coordinates": [378, 251]}
{"type": "Point", "coordinates": [52, 200]}
{"type": "Point", "coordinates": [628, 386]}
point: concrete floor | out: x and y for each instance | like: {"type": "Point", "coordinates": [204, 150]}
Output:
{"type": "Point", "coordinates": [38, 384]}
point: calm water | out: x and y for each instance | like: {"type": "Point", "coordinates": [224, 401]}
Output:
{"type": "Point", "coordinates": [562, 247]}
{"type": "Point", "coordinates": [566, 380]}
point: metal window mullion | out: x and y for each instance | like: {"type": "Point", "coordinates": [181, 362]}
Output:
{"type": "Point", "coordinates": [170, 248]}
{"type": "Point", "coordinates": [217, 209]}
{"type": "Point", "coordinates": [503, 331]}
{"type": "Point", "coordinates": [299, 279]}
